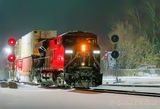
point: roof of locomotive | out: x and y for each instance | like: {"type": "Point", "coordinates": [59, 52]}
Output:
{"type": "Point", "coordinates": [79, 34]}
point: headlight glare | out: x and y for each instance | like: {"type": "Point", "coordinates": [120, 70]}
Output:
{"type": "Point", "coordinates": [96, 52]}
{"type": "Point", "coordinates": [69, 51]}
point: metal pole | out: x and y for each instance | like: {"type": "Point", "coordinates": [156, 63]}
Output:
{"type": "Point", "coordinates": [116, 72]}
{"type": "Point", "coordinates": [13, 71]}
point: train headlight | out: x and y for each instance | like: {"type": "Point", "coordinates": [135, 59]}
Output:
{"type": "Point", "coordinates": [83, 64]}
{"type": "Point", "coordinates": [69, 51]}
{"type": "Point", "coordinates": [83, 47]}
{"type": "Point", "coordinates": [96, 51]}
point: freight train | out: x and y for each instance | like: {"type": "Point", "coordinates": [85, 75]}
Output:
{"type": "Point", "coordinates": [70, 59]}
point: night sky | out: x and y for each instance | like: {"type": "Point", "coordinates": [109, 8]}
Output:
{"type": "Point", "coordinates": [18, 17]}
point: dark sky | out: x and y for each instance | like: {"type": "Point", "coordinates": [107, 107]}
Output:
{"type": "Point", "coordinates": [18, 17]}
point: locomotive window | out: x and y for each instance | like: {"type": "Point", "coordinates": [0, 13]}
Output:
{"type": "Point", "coordinates": [69, 40]}
{"type": "Point", "coordinates": [59, 42]}
{"type": "Point", "coordinates": [55, 41]}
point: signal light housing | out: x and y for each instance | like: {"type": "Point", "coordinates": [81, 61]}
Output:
{"type": "Point", "coordinates": [115, 38]}
{"type": "Point", "coordinates": [11, 41]}
{"type": "Point", "coordinates": [115, 54]}
{"type": "Point", "coordinates": [11, 58]}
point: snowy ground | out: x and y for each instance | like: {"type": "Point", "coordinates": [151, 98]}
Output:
{"type": "Point", "coordinates": [34, 97]}
{"type": "Point", "coordinates": [132, 80]}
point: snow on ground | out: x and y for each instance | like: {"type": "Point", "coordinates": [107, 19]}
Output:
{"type": "Point", "coordinates": [132, 80]}
{"type": "Point", "coordinates": [34, 97]}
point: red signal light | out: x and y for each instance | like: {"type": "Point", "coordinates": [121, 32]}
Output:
{"type": "Point", "coordinates": [11, 58]}
{"type": "Point", "coordinates": [11, 41]}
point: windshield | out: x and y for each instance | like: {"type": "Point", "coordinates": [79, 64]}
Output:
{"type": "Point", "coordinates": [71, 40]}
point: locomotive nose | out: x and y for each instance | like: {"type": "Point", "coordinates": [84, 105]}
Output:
{"type": "Point", "coordinates": [84, 48]}
{"type": "Point", "coordinates": [84, 51]}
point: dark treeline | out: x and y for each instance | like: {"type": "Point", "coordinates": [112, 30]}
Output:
{"type": "Point", "coordinates": [139, 33]}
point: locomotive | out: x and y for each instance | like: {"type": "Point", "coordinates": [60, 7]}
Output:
{"type": "Point", "coordinates": [70, 59]}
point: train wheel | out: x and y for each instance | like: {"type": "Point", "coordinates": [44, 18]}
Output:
{"type": "Point", "coordinates": [46, 84]}
{"type": "Point", "coordinates": [43, 85]}
{"type": "Point", "coordinates": [60, 80]}
{"type": "Point", "coordinates": [85, 83]}
{"type": "Point", "coordinates": [37, 78]}
{"type": "Point", "coordinates": [82, 84]}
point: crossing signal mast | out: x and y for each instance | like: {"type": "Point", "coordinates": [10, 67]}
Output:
{"type": "Point", "coordinates": [11, 43]}
{"type": "Point", "coordinates": [11, 57]}
{"type": "Point", "coordinates": [115, 54]}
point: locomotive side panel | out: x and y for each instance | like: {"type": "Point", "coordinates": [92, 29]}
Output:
{"type": "Point", "coordinates": [70, 59]}
{"type": "Point", "coordinates": [23, 69]}
{"type": "Point", "coordinates": [25, 50]}
{"type": "Point", "coordinates": [56, 54]}
{"type": "Point", "coordinates": [48, 66]}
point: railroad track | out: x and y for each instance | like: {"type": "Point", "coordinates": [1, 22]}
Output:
{"type": "Point", "coordinates": [94, 90]}
{"type": "Point", "coordinates": [122, 92]}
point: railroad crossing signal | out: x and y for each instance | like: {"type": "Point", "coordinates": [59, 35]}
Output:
{"type": "Point", "coordinates": [115, 38]}
{"type": "Point", "coordinates": [11, 58]}
{"type": "Point", "coordinates": [115, 53]}
{"type": "Point", "coordinates": [11, 43]}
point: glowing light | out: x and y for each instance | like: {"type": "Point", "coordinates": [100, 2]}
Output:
{"type": "Point", "coordinates": [96, 52]}
{"type": "Point", "coordinates": [82, 64]}
{"type": "Point", "coordinates": [83, 47]}
{"type": "Point", "coordinates": [8, 50]}
{"type": "Point", "coordinates": [69, 51]}
{"type": "Point", "coordinates": [11, 41]}
{"type": "Point", "coordinates": [11, 58]}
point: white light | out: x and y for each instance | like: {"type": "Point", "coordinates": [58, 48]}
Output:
{"type": "Point", "coordinates": [82, 64]}
{"type": "Point", "coordinates": [69, 51]}
{"type": "Point", "coordinates": [96, 52]}
{"type": "Point", "coordinates": [8, 50]}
